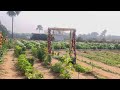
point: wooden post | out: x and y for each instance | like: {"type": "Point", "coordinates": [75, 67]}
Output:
{"type": "Point", "coordinates": [49, 41]}
{"type": "Point", "coordinates": [1, 39]}
{"type": "Point", "coordinates": [70, 45]}
{"type": "Point", "coordinates": [74, 45]}
{"type": "Point", "coordinates": [53, 40]}
{"type": "Point", "coordinates": [71, 42]}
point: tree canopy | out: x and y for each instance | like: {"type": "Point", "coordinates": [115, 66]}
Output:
{"type": "Point", "coordinates": [3, 29]}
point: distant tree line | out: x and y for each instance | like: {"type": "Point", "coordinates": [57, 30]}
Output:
{"type": "Point", "coordinates": [95, 37]}
{"type": "Point", "coordinates": [91, 37]}
{"type": "Point", "coordinates": [3, 29]}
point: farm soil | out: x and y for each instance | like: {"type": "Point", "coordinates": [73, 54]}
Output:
{"type": "Point", "coordinates": [8, 69]}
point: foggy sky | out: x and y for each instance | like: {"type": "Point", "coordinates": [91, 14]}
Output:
{"type": "Point", "coordinates": [84, 21]}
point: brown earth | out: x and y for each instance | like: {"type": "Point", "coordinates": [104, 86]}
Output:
{"type": "Point", "coordinates": [95, 70]}
{"type": "Point", "coordinates": [47, 73]}
{"type": "Point", "coordinates": [8, 68]}
{"type": "Point", "coordinates": [104, 66]}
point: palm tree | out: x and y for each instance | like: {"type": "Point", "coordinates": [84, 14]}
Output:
{"type": "Point", "coordinates": [39, 27]}
{"type": "Point", "coordinates": [12, 14]}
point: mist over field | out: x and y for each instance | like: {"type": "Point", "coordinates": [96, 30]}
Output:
{"type": "Point", "coordinates": [84, 21]}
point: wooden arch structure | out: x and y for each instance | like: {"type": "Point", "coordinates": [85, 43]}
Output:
{"type": "Point", "coordinates": [72, 40]}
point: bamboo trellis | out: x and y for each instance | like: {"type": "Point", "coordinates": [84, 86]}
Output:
{"type": "Point", "coordinates": [72, 40]}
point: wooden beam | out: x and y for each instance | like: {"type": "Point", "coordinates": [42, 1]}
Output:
{"type": "Point", "coordinates": [62, 29]}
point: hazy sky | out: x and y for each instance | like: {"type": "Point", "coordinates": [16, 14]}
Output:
{"type": "Point", "coordinates": [84, 21]}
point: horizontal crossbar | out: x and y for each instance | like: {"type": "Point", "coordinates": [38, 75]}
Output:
{"type": "Point", "coordinates": [62, 29]}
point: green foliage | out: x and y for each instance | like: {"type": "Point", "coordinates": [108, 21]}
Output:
{"type": "Point", "coordinates": [62, 69]}
{"type": "Point", "coordinates": [24, 64]}
{"type": "Point", "coordinates": [86, 45]}
{"type": "Point", "coordinates": [34, 51]}
{"type": "Point", "coordinates": [29, 45]}
{"type": "Point", "coordinates": [31, 60]}
{"type": "Point", "coordinates": [19, 43]}
{"type": "Point", "coordinates": [18, 51]}
{"type": "Point", "coordinates": [26, 67]}
{"type": "Point", "coordinates": [79, 68]}
{"type": "Point", "coordinates": [41, 54]}
{"type": "Point", "coordinates": [57, 67]}
{"type": "Point", "coordinates": [47, 59]}
{"type": "Point", "coordinates": [10, 44]}
{"type": "Point", "coordinates": [108, 57]}
{"type": "Point", "coordinates": [65, 74]}
{"type": "Point", "coordinates": [65, 58]}
{"type": "Point", "coordinates": [92, 45]}
{"type": "Point", "coordinates": [34, 75]}
{"type": "Point", "coordinates": [59, 45]}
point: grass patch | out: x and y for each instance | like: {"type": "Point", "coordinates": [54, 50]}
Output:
{"type": "Point", "coordinates": [94, 65]}
{"type": "Point", "coordinates": [106, 57]}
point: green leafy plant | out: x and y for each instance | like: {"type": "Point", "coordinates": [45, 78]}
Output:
{"type": "Point", "coordinates": [79, 68]}
{"type": "Point", "coordinates": [26, 67]}
{"type": "Point", "coordinates": [65, 74]}
{"type": "Point", "coordinates": [18, 50]}
{"type": "Point", "coordinates": [41, 54]}
{"type": "Point", "coordinates": [35, 75]}
{"type": "Point", "coordinates": [57, 67]}
{"type": "Point", "coordinates": [31, 60]}
{"type": "Point", "coordinates": [47, 59]}
{"type": "Point", "coordinates": [34, 51]}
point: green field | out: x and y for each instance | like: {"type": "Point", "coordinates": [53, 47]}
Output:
{"type": "Point", "coordinates": [109, 57]}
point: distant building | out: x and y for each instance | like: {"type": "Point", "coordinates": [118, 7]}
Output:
{"type": "Point", "coordinates": [36, 36]}
{"type": "Point", "coordinates": [59, 37]}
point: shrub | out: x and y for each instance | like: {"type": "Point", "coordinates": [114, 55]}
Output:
{"type": "Point", "coordinates": [41, 54]}
{"type": "Point", "coordinates": [35, 75]}
{"type": "Point", "coordinates": [29, 45]}
{"type": "Point", "coordinates": [19, 43]}
{"type": "Point", "coordinates": [31, 60]}
{"type": "Point", "coordinates": [18, 50]}
{"type": "Point", "coordinates": [10, 44]}
{"type": "Point", "coordinates": [34, 51]}
{"type": "Point", "coordinates": [57, 67]}
{"type": "Point", "coordinates": [65, 74]}
{"type": "Point", "coordinates": [24, 64]}
{"type": "Point", "coordinates": [79, 68]}
{"type": "Point", "coordinates": [47, 59]}
{"type": "Point", "coordinates": [26, 67]}
{"type": "Point", "coordinates": [63, 69]}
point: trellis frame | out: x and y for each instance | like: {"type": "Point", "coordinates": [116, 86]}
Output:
{"type": "Point", "coordinates": [1, 40]}
{"type": "Point", "coordinates": [72, 40]}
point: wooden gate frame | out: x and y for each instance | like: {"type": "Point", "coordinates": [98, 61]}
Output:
{"type": "Point", "coordinates": [1, 40]}
{"type": "Point", "coordinates": [72, 41]}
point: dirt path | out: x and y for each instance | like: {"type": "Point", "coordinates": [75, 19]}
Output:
{"type": "Point", "coordinates": [8, 69]}
{"type": "Point", "coordinates": [47, 73]}
{"type": "Point", "coordinates": [104, 66]}
{"type": "Point", "coordinates": [100, 72]}
{"type": "Point", "coordinates": [76, 75]}
{"type": "Point", "coordinates": [96, 70]}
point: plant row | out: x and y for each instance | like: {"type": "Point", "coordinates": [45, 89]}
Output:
{"type": "Point", "coordinates": [25, 64]}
